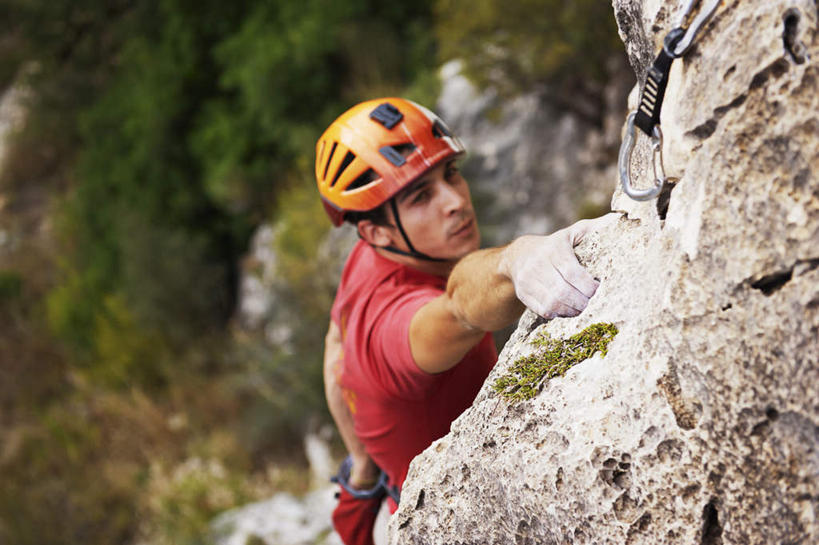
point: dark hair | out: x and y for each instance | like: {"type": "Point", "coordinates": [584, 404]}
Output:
{"type": "Point", "coordinates": [377, 215]}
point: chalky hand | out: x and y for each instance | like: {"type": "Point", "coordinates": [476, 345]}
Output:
{"type": "Point", "coordinates": [547, 277]}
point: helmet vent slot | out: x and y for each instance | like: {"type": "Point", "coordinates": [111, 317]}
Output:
{"type": "Point", "coordinates": [392, 155]}
{"type": "Point", "coordinates": [387, 114]}
{"type": "Point", "coordinates": [405, 149]}
{"type": "Point", "coordinates": [367, 178]}
{"type": "Point", "coordinates": [439, 130]}
{"type": "Point", "coordinates": [397, 154]}
{"type": "Point", "coordinates": [344, 164]}
{"type": "Point", "coordinates": [327, 165]}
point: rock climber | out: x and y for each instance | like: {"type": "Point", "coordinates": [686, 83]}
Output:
{"type": "Point", "coordinates": [408, 345]}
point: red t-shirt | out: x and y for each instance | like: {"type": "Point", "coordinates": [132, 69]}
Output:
{"type": "Point", "coordinates": [398, 409]}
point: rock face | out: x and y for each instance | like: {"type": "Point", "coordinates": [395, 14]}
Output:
{"type": "Point", "coordinates": [701, 424]}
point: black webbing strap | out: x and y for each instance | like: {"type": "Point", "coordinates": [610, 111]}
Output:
{"type": "Point", "coordinates": [412, 251]}
{"type": "Point", "coordinates": [651, 101]}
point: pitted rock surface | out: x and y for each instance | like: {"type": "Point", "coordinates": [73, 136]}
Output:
{"type": "Point", "coordinates": [701, 424]}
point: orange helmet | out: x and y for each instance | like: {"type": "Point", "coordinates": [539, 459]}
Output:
{"type": "Point", "coordinates": [375, 149]}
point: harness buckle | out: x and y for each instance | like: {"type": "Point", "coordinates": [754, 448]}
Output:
{"type": "Point", "coordinates": [378, 491]}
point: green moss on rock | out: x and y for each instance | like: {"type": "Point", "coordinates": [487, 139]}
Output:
{"type": "Point", "coordinates": [552, 358]}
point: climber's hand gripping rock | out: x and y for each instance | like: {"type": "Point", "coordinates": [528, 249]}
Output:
{"type": "Point", "coordinates": [547, 277]}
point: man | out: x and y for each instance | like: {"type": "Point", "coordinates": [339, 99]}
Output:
{"type": "Point", "coordinates": [409, 346]}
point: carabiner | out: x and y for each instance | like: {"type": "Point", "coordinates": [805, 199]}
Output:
{"type": "Point", "coordinates": [657, 157]}
{"type": "Point", "coordinates": [702, 17]}
{"type": "Point", "coordinates": [624, 162]}
{"type": "Point", "coordinates": [647, 116]}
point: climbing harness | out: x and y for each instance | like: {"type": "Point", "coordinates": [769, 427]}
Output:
{"type": "Point", "coordinates": [647, 116]}
{"type": "Point", "coordinates": [379, 490]}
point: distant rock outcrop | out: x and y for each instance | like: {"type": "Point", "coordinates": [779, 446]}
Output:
{"type": "Point", "coordinates": [701, 423]}
{"type": "Point", "coordinates": [532, 166]}
{"type": "Point", "coordinates": [285, 519]}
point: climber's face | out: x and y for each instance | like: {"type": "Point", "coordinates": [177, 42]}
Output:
{"type": "Point", "coordinates": [437, 215]}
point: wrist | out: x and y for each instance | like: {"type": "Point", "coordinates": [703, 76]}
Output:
{"type": "Point", "coordinates": [506, 257]}
{"type": "Point", "coordinates": [364, 473]}
{"type": "Point", "coordinates": [510, 254]}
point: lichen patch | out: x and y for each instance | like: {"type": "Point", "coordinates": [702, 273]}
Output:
{"type": "Point", "coordinates": [552, 358]}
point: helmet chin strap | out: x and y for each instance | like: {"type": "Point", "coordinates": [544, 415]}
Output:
{"type": "Point", "coordinates": [412, 251]}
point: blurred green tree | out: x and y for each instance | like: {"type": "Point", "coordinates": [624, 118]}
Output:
{"type": "Point", "coordinates": [162, 132]}
{"type": "Point", "coordinates": [200, 111]}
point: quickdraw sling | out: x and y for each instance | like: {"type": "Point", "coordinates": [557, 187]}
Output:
{"type": "Point", "coordinates": [647, 116]}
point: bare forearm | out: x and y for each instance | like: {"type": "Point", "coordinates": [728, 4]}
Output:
{"type": "Point", "coordinates": [542, 272]}
{"type": "Point", "coordinates": [488, 290]}
{"type": "Point", "coordinates": [479, 298]}
{"type": "Point", "coordinates": [364, 469]}
{"type": "Point", "coordinates": [482, 294]}
{"type": "Point", "coordinates": [332, 391]}
{"type": "Point", "coordinates": [342, 417]}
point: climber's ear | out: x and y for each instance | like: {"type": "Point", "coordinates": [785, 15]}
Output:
{"type": "Point", "coordinates": [376, 235]}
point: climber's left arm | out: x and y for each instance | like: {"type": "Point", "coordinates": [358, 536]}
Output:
{"type": "Point", "coordinates": [364, 472]}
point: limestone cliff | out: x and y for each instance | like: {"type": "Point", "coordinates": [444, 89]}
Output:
{"type": "Point", "coordinates": [701, 423]}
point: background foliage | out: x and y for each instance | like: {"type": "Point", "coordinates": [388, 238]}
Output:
{"type": "Point", "coordinates": [158, 135]}
{"type": "Point", "coordinates": [564, 47]}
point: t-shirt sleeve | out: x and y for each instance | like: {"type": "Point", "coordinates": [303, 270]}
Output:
{"type": "Point", "coordinates": [396, 368]}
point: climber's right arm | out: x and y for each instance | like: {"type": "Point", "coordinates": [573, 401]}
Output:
{"type": "Point", "coordinates": [488, 289]}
